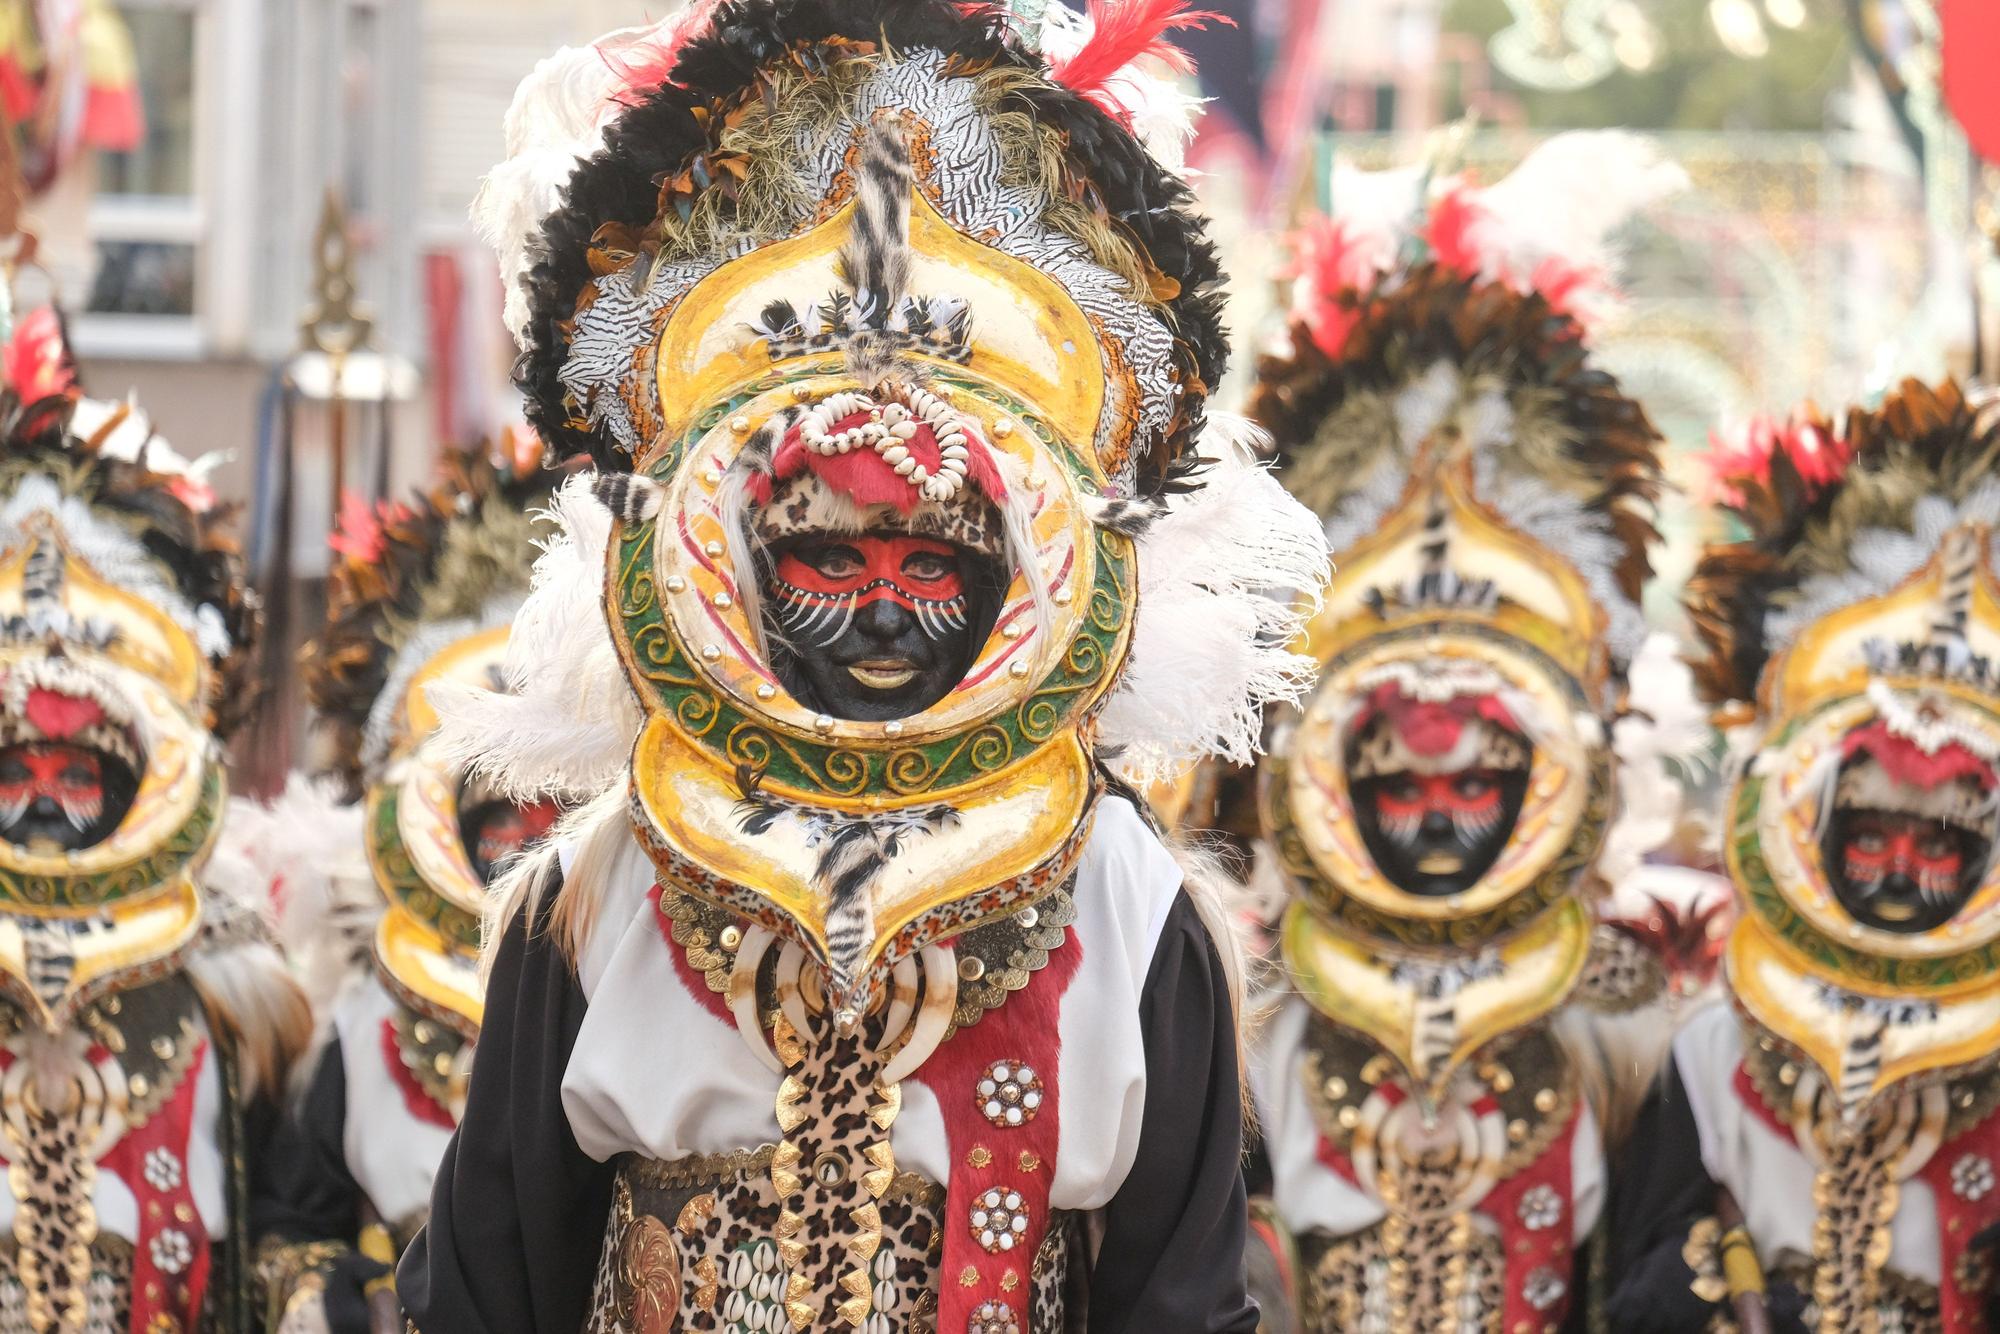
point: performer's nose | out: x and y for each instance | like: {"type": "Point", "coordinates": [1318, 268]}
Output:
{"type": "Point", "coordinates": [883, 620]}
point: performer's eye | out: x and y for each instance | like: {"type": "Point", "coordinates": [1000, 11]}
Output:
{"type": "Point", "coordinates": [833, 561]}
{"type": "Point", "coordinates": [927, 566]}
{"type": "Point", "coordinates": [1473, 785]}
{"type": "Point", "coordinates": [1869, 838]}
{"type": "Point", "coordinates": [1402, 789]}
{"type": "Point", "coordinates": [1938, 844]}
{"type": "Point", "coordinates": [79, 775]}
{"type": "Point", "coordinates": [13, 771]}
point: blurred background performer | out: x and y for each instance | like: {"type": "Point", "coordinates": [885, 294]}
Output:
{"type": "Point", "coordinates": [383, 872]}
{"type": "Point", "coordinates": [1824, 1150]}
{"type": "Point", "coordinates": [1433, 1094]}
{"type": "Point", "coordinates": [147, 1021]}
{"type": "Point", "coordinates": [861, 995]}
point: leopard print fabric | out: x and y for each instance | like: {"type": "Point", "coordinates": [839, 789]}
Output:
{"type": "Point", "coordinates": [1348, 1285]}
{"type": "Point", "coordinates": [691, 1246]}
{"type": "Point", "coordinates": [107, 1289]}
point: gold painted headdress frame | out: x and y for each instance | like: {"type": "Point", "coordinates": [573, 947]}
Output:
{"type": "Point", "coordinates": [888, 229]}
{"type": "Point", "coordinates": [124, 624]}
{"type": "Point", "coordinates": [423, 595]}
{"type": "Point", "coordinates": [1862, 611]}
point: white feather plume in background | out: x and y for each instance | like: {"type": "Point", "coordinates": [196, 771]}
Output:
{"type": "Point", "coordinates": [1226, 578]}
{"type": "Point", "coordinates": [567, 726]}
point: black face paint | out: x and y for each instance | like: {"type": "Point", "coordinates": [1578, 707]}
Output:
{"type": "Point", "coordinates": [1434, 835]}
{"type": "Point", "coordinates": [495, 830]}
{"type": "Point", "coordinates": [1899, 872]}
{"type": "Point", "coordinates": [60, 797]}
{"type": "Point", "coordinates": [880, 626]}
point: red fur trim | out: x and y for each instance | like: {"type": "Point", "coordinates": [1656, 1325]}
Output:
{"type": "Point", "coordinates": [1123, 31]}
{"type": "Point", "coordinates": [421, 1104]}
{"type": "Point", "coordinates": [1027, 1028]}
{"type": "Point", "coordinates": [866, 479]}
{"type": "Point", "coordinates": [1907, 762]}
{"type": "Point", "coordinates": [1746, 1093]}
{"type": "Point", "coordinates": [58, 716]}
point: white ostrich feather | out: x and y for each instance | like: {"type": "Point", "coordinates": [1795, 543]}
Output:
{"type": "Point", "coordinates": [1604, 178]}
{"type": "Point", "coordinates": [557, 118]}
{"type": "Point", "coordinates": [378, 734]}
{"type": "Point", "coordinates": [302, 855]}
{"type": "Point", "coordinates": [566, 726]}
{"type": "Point", "coordinates": [554, 121]}
{"type": "Point", "coordinates": [1662, 744]}
{"type": "Point", "coordinates": [1225, 579]}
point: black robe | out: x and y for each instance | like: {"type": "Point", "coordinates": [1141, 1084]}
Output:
{"type": "Point", "coordinates": [518, 1213]}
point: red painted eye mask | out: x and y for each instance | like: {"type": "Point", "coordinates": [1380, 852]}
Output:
{"type": "Point", "coordinates": [1416, 795]}
{"type": "Point", "coordinates": [1882, 846]}
{"type": "Point", "coordinates": [903, 569]}
{"type": "Point", "coordinates": [72, 776]}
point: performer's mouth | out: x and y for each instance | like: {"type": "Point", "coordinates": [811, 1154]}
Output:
{"type": "Point", "coordinates": [1440, 863]}
{"type": "Point", "coordinates": [1893, 910]}
{"type": "Point", "coordinates": [882, 673]}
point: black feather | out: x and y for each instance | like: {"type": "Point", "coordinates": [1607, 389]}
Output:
{"type": "Point", "coordinates": [659, 136]}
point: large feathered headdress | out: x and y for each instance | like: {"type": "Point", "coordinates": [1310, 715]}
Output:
{"type": "Point", "coordinates": [125, 629]}
{"type": "Point", "coordinates": [1435, 320]}
{"type": "Point", "coordinates": [884, 263]}
{"type": "Point", "coordinates": [1859, 616]}
{"type": "Point", "coordinates": [136, 512]}
{"type": "Point", "coordinates": [1487, 494]}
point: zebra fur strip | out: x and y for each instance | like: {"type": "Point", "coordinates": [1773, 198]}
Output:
{"type": "Point", "coordinates": [876, 258]}
{"type": "Point", "coordinates": [630, 499]}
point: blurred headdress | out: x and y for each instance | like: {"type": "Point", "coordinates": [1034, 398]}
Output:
{"type": "Point", "coordinates": [1859, 617]}
{"type": "Point", "coordinates": [423, 594]}
{"type": "Point", "coordinates": [1486, 491]}
{"type": "Point", "coordinates": [125, 626]}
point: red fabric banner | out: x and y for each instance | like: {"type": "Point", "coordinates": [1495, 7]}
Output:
{"type": "Point", "coordinates": [1971, 52]}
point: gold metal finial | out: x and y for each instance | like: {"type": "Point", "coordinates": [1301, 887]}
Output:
{"type": "Point", "coordinates": [335, 323]}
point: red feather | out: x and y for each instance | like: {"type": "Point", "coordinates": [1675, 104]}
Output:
{"type": "Point", "coordinates": [37, 361]}
{"type": "Point", "coordinates": [1123, 31]}
{"type": "Point", "coordinates": [644, 62]}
